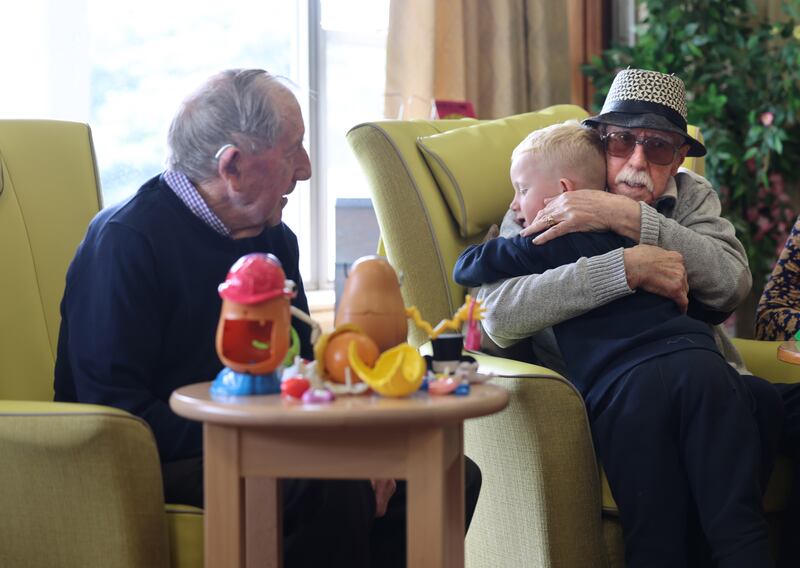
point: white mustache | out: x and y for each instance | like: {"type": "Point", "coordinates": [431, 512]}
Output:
{"type": "Point", "coordinates": [634, 177]}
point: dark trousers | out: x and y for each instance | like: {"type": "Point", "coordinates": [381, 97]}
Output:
{"type": "Point", "coordinates": [789, 555]}
{"type": "Point", "coordinates": [328, 522]}
{"type": "Point", "coordinates": [679, 436]}
{"type": "Point", "coordinates": [768, 411]}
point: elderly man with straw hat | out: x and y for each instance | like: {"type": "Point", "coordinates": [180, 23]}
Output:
{"type": "Point", "coordinates": [685, 251]}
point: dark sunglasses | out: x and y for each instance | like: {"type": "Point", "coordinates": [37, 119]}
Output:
{"type": "Point", "coordinates": [657, 150]}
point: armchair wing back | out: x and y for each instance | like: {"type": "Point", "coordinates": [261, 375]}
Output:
{"type": "Point", "coordinates": [424, 226]}
{"type": "Point", "coordinates": [80, 485]}
{"type": "Point", "coordinates": [48, 194]}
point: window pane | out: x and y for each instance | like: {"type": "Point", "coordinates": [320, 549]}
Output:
{"type": "Point", "coordinates": [146, 56]}
{"type": "Point", "coordinates": [355, 71]}
{"type": "Point", "coordinates": [354, 95]}
{"type": "Point", "coordinates": [124, 68]}
{"type": "Point", "coordinates": [357, 16]}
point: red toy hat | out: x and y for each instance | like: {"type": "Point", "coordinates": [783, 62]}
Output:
{"type": "Point", "coordinates": [256, 278]}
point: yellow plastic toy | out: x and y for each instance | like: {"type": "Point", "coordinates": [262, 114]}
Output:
{"type": "Point", "coordinates": [398, 371]}
{"type": "Point", "coordinates": [470, 311]}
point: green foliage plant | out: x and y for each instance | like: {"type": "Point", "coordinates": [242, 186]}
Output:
{"type": "Point", "coordinates": [742, 77]}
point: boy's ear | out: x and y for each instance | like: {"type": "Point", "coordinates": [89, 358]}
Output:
{"type": "Point", "coordinates": [566, 184]}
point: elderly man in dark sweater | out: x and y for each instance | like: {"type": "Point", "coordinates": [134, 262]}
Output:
{"type": "Point", "coordinates": [140, 308]}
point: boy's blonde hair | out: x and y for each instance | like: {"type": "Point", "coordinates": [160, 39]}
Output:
{"type": "Point", "coordinates": [570, 150]}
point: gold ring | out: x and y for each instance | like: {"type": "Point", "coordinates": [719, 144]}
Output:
{"type": "Point", "coordinates": [550, 221]}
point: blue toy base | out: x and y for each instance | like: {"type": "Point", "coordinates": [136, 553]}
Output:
{"type": "Point", "coordinates": [230, 383]}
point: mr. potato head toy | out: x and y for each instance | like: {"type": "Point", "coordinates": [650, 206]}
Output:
{"type": "Point", "coordinates": [372, 301]}
{"type": "Point", "coordinates": [254, 330]}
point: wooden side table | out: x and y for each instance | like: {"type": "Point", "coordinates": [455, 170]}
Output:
{"type": "Point", "coordinates": [788, 352]}
{"type": "Point", "coordinates": [261, 439]}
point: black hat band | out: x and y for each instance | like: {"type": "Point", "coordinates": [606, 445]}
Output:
{"type": "Point", "coordinates": [644, 107]}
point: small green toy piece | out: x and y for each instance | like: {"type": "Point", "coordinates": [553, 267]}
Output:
{"type": "Point", "coordinates": [294, 348]}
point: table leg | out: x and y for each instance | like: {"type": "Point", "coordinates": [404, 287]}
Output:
{"type": "Point", "coordinates": [454, 514]}
{"type": "Point", "coordinates": [264, 522]}
{"type": "Point", "coordinates": [436, 497]}
{"type": "Point", "coordinates": [224, 511]}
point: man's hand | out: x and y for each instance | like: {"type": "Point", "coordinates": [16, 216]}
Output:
{"type": "Point", "coordinates": [658, 271]}
{"type": "Point", "coordinates": [384, 489]}
{"type": "Point", "coordinates": [586, 210]}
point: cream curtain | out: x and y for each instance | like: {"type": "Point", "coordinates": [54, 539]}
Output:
{"type": "Point", "coordinates": [505, 56]}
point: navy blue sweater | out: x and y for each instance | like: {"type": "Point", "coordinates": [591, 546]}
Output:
{"type": "Point", "coordinates": [602, 344]}
{"type": "Point", "coordinates": [140, 309]}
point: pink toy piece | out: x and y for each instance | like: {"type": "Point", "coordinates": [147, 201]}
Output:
{"type": "Point", "coordinates": [318, 396]}
{"type": "Point", "coordinates": [442, 386]}
{"type": "Point", "coordinates": [472, 342]}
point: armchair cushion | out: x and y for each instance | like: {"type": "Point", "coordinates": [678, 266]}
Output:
{"type": "Point", "coordinates": [471, 164]}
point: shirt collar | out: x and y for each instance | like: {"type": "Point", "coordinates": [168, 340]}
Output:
{"type": "Point", "coordinates": [187, 192]}
{"type": "Point", "coordinates": [668, 198]}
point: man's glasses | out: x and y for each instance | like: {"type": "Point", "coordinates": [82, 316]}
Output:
{"type": "Point", "coordinates": [657, 150]}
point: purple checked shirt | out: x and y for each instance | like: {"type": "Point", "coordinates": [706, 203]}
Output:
{"type": "Point", "coordinates": [188, 193]}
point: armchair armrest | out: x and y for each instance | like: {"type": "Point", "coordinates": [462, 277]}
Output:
{"type": "Point", "coordinates": [81, 486]}
{"type": "Point", "coordinates": [541, 489]}
{"type": "Point", "coordinates": [761, 359]}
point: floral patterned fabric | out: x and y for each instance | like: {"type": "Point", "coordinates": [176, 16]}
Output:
{"type": "Point", "coordinates": [778, 314]}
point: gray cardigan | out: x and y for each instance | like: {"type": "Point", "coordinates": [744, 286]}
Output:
{"type": "Point", "coordinates": [685, 219]}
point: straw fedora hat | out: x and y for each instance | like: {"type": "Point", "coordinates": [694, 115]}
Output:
{"type": "Point", "coordinates": [639, 98]}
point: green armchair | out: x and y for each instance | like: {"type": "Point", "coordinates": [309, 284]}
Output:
{"type": "Point", "coordinates": [80, 485]}
{"type": "Point", "coordinates": [436, 187]}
